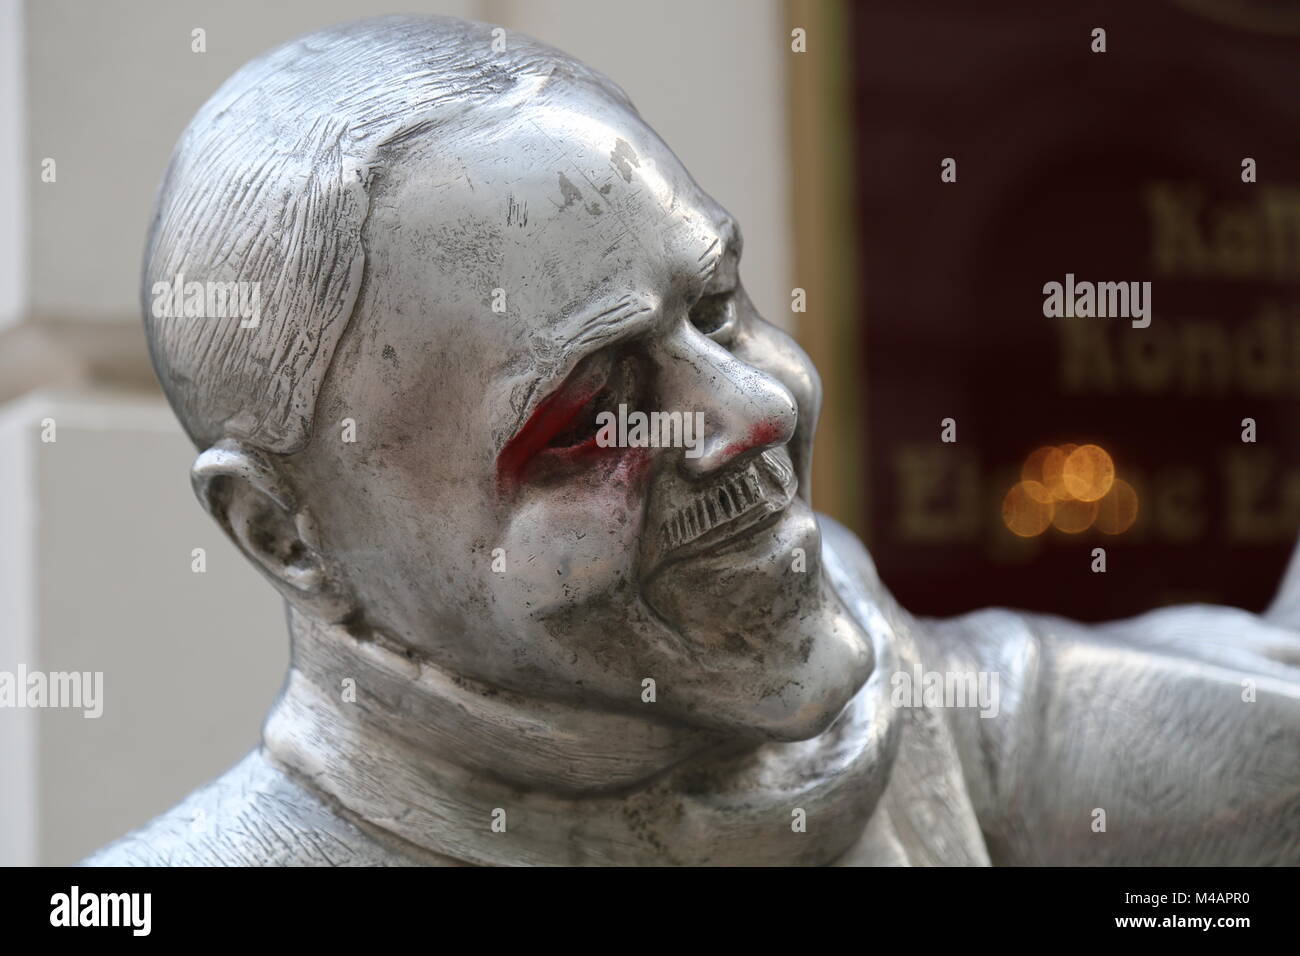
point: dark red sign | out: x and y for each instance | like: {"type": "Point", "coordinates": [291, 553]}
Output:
{"type": "Point", "coordinates": [1171, 158]}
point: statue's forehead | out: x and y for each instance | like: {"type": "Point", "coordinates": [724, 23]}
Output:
{"type": "Point", "coordinates": [570, 173]}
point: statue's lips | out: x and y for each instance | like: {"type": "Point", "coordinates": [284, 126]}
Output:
{"type": "Point", "coordinates": [737, 505]}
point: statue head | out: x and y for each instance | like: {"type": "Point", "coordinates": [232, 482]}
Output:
{"type": "Point", "coordinates": [468, 251]}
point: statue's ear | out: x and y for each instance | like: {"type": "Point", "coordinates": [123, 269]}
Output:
{"type": "Point", "coordinates": [252, 499]}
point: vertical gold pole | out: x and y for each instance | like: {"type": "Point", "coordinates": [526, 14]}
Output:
{"type": "Point", "coordinates": [822, 158]}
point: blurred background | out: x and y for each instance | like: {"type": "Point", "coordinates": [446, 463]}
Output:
{"type": "Point", "coordinates": [1115, 142]}
{"type": "Point", "coordinates": [822, 125]}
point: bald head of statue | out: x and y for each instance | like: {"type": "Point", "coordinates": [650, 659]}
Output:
{"type": "Point", "coordinates": [467, 251]}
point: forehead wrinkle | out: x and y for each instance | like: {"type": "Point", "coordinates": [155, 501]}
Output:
{"type": "Point", "coordinates": [710, 258]}
{"type": "Point", "coordinates": [607, 323]}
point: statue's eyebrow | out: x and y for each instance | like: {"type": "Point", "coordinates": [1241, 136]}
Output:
{"type": "Point", "coordinates": [720, 261]}
{"type": "Point", "coordinates": [626, 316]}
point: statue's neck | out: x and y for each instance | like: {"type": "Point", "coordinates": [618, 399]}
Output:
{"type": "Point", "coordinates": [487, 776]}
{"type": "Point", "coordinates": [411, 707]}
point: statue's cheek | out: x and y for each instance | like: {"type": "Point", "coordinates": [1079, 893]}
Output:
{"type": "Point", "coordinates": [563, 550]}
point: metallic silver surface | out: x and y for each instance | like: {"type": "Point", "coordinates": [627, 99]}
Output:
{"type": "Point", "coordinates": [465, 244]}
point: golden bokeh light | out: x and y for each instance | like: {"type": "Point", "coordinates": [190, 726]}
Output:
{"type": "Point", "coordinates": [1072, 488]}
{"type": "Point", "coordinates": [1088, 473]}
{"type": "Point", "coordinates": [1118, 509]}
{"type": "Point", "coordinates": [1027, 509]}
{"type": "Point", "coordinates": [1054, 471]}
{"type": "Point", "coordinates": [1073, 516]}
{"type": "Point", "coordinates": [1032, 474]}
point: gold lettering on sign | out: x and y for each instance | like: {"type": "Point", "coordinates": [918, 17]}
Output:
{"type": "Point", "coordinates": [938, 492]}
{"type": "Point", "coordinates": [1257, 238]}
{"type": "Point", "coordinates": [944, 500]}
{"type": "Point", "coordinates": [1259, 356]}
{"type": "Point", "coordinates": [1178, 511]}
{"type": "Point", "coordinates": [1263, 505]}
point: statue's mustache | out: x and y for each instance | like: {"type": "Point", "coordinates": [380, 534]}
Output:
{"type": "Point", "coordinates": [731, 503]}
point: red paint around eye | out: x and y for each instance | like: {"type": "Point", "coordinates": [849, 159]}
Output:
{"type": "Point", "coordinates": [551, 417]}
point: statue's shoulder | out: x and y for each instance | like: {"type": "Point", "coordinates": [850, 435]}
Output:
{"type": "Point", "coordinates": [255, 814]}
{"type": "Point", "coordinates": [1223, 637]}
{"type": "Point", "coordinates": [1161, 720]}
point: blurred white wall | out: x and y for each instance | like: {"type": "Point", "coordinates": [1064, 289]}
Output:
{"type": "Point", "coordinates": [100, 560]}
{"type": "Point", "coordinates": [13, 173]}
{"type": "Point", "coordinates": [97, 528]}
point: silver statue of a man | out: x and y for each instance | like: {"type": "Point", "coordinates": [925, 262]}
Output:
{"type": "Point", "coordinates": [515, 643]}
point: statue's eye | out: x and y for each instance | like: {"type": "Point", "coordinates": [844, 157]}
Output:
{"type": "Point", "coordinates": [714, 315]}
{"type": "Point", "coordinates": [582, 427]}
{"type": "Point", "coordinates": [562, 430]}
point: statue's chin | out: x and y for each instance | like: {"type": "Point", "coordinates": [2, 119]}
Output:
{"type": "Point", "coordinates": [782, 656]}
{"type": "Point", "coordinates": [839, 663]}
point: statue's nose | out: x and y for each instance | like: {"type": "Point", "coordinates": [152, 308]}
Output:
{"type": "Point", "coordinates": [745, 410]}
